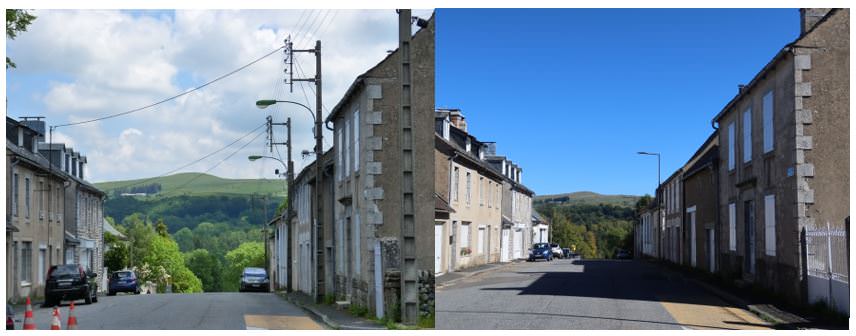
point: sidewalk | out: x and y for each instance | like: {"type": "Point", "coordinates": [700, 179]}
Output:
{"type": "Point", "coordinates": [329, 315]}
{"type": "Point", "coordinates": [450, 278]}
{"type": "Point", "coordinates": [780, 318]}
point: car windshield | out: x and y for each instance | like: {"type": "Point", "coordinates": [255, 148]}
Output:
{"type": "Point", "coordinates": [255, 273]}
{"type": "Point", "coordinates": [540, 246]}
{"type": "Point", "coordinates": [123, 275]}
{"type": "Point", "coordinates": [66, 270]}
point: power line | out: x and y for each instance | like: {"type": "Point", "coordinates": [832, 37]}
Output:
{"type": "Point", "coordinates": [173, 97]}
{"type": "Point", "coordinates": [194, 161]}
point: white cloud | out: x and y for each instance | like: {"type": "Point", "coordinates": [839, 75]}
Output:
{"type": "Point", "coordinates": [97, 62]}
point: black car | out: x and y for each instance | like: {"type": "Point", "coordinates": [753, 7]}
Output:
{"type": "Point", "coordinates": [254, 279]}
{"type": "Point", "coordinates": [123, 281]}
{"type": "Point", "coordinates": [70, 282]}
{"type": "Point", "coordinates": [622, 254]}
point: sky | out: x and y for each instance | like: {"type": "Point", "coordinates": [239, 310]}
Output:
{"type": "Point", "coordinates": [76, 65]}
{"type": "Point", "coordinates": [572, 95]}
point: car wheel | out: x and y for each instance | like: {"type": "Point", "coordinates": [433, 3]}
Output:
{"type": "Point", "coordinates": [88, 297]}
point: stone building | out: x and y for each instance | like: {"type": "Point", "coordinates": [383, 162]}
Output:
{"type": "Point", "coordinates": [383, 177]}
{"type": "Point", "coordinates": [671, 228]}
{"type": "Point", "coordinates": [470, 234]}
{"type": "Point", "coordinates": [784, 149]}
{"type": "Point", "coordinates": [34, 212]}
{"type": "Point", "coordinates": [699, 245]}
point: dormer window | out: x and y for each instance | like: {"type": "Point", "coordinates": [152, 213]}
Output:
{"type": "Point", "coordinates": [469, 144]}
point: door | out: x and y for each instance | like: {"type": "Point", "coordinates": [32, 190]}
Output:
{"type": "Point", "coordinates": [518, 244]}
{"type": "Point", "coordinates": [504, 245]}
{"type": "Point", "coordinates": [438, 247]}
{"type": "Point", "coordinates": [692, 222]}
{"type": "Point", "coordinates": [749, 233]}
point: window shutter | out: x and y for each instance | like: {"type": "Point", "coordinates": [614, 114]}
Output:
{"type": "Point", "coordinates": [770, 224]}
{"type": "Point", "coordinates": [732, 227]}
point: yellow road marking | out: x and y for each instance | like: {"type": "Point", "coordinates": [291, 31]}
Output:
{"type": "Point", "coordinates": [280, 322]}
{"type": "Point", "coordinates": [700, 316]}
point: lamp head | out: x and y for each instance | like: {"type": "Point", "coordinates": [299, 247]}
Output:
{"type": "Point", "coordinates": [254, 157]}
{"type": "Point", "coordinates": [264, 103]}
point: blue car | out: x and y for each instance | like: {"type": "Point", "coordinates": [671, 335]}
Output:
{"type": "Point", "coordinates": [123, 281]}
{"type": "Point", "coordinates": [539, 251]}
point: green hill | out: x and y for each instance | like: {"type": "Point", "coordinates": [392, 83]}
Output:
{"type": "Point", "coordinates": [195, 184]}
{"type": "Point", "coordinates": [587, 197]}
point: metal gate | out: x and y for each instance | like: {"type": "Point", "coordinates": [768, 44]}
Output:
{"type": "Point", "coordinates": [827, 264]}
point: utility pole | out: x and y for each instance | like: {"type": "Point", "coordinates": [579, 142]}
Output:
{"type": "Point", "coordinates": [319, 152]}
{"type": "Point", "coordinates": [409, 290]}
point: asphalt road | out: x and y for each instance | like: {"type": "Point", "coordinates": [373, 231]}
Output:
{"type": "Point", "coordinates": [180, 311]}
{"type": "Point", "coordinates": [584, 294]}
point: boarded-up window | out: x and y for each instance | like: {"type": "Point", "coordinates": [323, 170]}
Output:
{"type": "Point", "coordinates": [356, 140]}
{"type": "Point", "coordinates": [768, 121]}
{"type": "Point", "coordinates": [770, 224]}
{"type": "Point", "coordinates": [732, 227]}
{"type": "Point", "coordinates": [731, 146]}
{"type": "Point", "coordinates": [747, 135]}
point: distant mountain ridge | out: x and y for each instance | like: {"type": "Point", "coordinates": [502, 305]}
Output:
{"type": "Point", "coordinates": [587, 197]}
{"type": "Point", "coordinates": [196, 184]}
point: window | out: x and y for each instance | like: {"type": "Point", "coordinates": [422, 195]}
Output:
{"type": "Point", "coordinates": [498, 193]}
{"type": "Point", "coordinates": [481, 240]}
{"type": "Point", "coordinates": [731, 146]}
{"type": "Point", "coordinates": [455, 181]}
{"type": "Point", "coordinates": [489, 193]}
{"type": "Point", "coordinates": [768, 121]}
{"type": "Point", "coordinates": [770, 224]}
{"type": "Point", "coordinates": [339, 154]}
{"type": "Point", "coordinates": [27, 262]}
{"type": "Point", "coordinates": [481, 191]}
{"type": "Point", "coordinates": [347, 141]}
{"type": "Point", "coordinates": [732, 227]}
{"type": "Point", "coordinates": [15, 194]}
{"type": "Point", "coordinates": [465, 234]}
{"type": "Point", "coordinates": [469, 187]}
{"type": "Point", "coordinates": [356, 140]}
{"type": "Point", "coordinates": [747, 135]}
{"type": "Point", "coordinates": [27, 196]}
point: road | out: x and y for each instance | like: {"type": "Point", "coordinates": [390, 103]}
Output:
{"type": "Point", "coordinates": [181, 311]}
{"type": "Point", "coordinates": [585, 294]}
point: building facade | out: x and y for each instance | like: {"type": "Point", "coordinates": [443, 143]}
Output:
{"type": "Point", "coordinates": [784, 144]}
{"type": "Point", "coordinates": [670, 192]}
{"type": "Point", "coordinates": [34, 213]}
{"type": "Point", "coordinates": [700, 243]}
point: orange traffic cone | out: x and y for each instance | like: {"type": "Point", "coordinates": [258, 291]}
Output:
{"type": "Point", "coordinates": [28, 317]}
{"type": "Point", "coordinates": [72, 320]}
{"type": "Point", "coordinates": [55, 324]}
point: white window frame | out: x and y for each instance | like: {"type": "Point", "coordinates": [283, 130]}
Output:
{"type": "Point", "coordinates": [481, 235]}
{"type": "Point", "coordinates": [356, 140]}
{"type": "Point", "coordinates": [770, 224]}
{"type": "Point", "coordinates": [768, 105]}
{"type": "Point", "coordinates": [481, 190]}
{"type": "Point", "coordinates": [469, 187]}
{"type": "Point", "coordinates": [347, 140]}
{"type": "Point", "coordinates": [732, 226]}
{"type": "Point", "coordinates": [27, 197]}
{"type": "Point", "coordinates": [747, 135]}
{"type": "Point", "coordinates": [15, 193]}
{"type": "Point", "coordinates": [731, 146]}
{"type": "Point", "coordinates": [456, 175]}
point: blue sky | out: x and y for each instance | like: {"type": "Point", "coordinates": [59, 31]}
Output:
{"type": "Point", "coordinates": [572, 95]}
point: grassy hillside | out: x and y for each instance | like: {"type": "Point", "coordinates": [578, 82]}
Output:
{"type": "Point", "coordinates": [587, 197]}
{"type": "Point", "coordinates": [198, 184]}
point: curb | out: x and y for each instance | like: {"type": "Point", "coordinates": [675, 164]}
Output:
{"type": "Point", "coordinates": [317, 314]}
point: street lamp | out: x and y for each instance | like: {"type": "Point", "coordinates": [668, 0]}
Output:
{"type": "Point", "coordinates": [319, 137]}
{"type": "Point", "coordinates": [658, 164]}
{"type": "Point", "coordinates": [256, 157]}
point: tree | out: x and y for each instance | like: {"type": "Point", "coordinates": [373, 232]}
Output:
{"type": "Point", "coordinates": [17, 21]}
{"type": "Point", "coordinates": [163, 252]}
{"type": "Point", "coordinates": [161, 229]}
{"type": "Point", "coordinates": [116, 257]}
{"type": "Point", "coordinates": [249, 254]}
{"type": "Point", "coordinates": [184, 238]}
{"type": "Point", "coordinates": [207, 268]}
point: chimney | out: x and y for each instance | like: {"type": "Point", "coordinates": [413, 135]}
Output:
{"type": "Point", "coordinates": [741, 88]}
{"type": "Point", "coordinates": [457, 119]}
{"type": "Point", "coordinates": [810, 16]}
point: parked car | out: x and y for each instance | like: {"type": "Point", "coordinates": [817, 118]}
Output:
{"type": "Point", "coordinates": [540, 251]}
{"type": "Point", "coordinates": [622, 254]}
{"type": "Point", "coordinates": [566, 252]}
{"type": "Point", "coordinates": [123, 282]}
{"type": "Point", "coordinates": [254, 279]}
{"type": "Point", "coordinates": [70, 282]}
{"type": "Point", "coordinates": [10, 317]}
{"type": "Point", "coordinates": [557, 251]}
